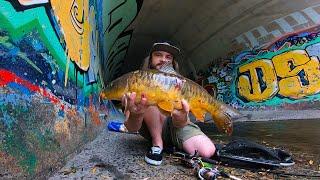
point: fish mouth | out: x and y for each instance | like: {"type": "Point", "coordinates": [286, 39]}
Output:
{"type": "Point", "coordinates": [164, 64]}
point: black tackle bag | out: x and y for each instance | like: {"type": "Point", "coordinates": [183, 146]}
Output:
{"type": "Point", "coordinates": [248, 154]}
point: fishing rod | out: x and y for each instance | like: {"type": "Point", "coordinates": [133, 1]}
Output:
{"type": "Point", "coordinates": [197, 162]}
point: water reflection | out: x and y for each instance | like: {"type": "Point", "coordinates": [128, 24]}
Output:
{"type": "Point", "coordinates": [296, 135]}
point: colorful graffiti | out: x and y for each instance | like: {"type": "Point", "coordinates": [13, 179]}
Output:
{"type": "Point", "coordinates": [119, 15]}
{"type": "Point", "coordinates": [292, 74]}
{"type": "Point", "coordinates": [284, 73]}
{"type": "Point", "coordinates": [73, 17]}
{"type": "Point", "coordinates": [288, 71]}
{"type": "Point", "coordinates": [218, 80]}
{"type": "Point", "coordinates": [52, 58]}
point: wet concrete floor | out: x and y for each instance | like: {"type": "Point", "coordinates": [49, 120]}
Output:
{"type": "Point", "coordinates": [120, 156]}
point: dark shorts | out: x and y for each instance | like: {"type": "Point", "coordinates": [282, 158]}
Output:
{"type": "Point", "coordinates": [171, 135]}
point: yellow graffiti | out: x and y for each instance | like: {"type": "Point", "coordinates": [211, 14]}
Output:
{"type": "Point", "coordinates": [250, 89]}
{"type": "Point", "coordinates": [73, 18]}
{"type": "Point", "coordinates": [291, 74]}
{"type": "Point", "coordinates": [288, 65]}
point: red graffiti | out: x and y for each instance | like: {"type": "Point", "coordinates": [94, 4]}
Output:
{"type": "Point", "coordinates": [7, 77]}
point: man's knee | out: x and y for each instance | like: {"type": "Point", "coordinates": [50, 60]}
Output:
{"type": "Point", "coordinates": [208, 151]}
{"type": "Point", "coordinates": [200, 143]}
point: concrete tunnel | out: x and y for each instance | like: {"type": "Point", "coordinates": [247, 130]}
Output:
{"type": "Point", "coordinates": [259, 56]}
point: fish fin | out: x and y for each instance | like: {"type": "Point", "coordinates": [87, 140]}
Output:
{"type": "Point", "coordinates": [199, 113]}
{"type": "Point", "coordinates": [177, 105]}
{"type": "Point", "coordinates": [223, 122]}
{"type": "Point", "coordinates": [166, 106]}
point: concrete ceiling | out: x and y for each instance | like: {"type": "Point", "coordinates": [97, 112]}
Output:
{"type": "Point", "coordinates": [206, 29]}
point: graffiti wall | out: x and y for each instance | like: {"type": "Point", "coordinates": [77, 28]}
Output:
{"type": "Point", "coordinates": [285, 74]}
{"type": "Point", "coordinates": [51, 59]}
{"type": "Point", "coordinates": [118, 16]}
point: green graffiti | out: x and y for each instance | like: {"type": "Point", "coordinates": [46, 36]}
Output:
{"type": "Point", "coordinates": [43, 141]}
{"type": "Point", "coordinates": [16, 147]}
{"type": "Point", "coordinates": [117, 54]}
{"type": "Point", "coordinates": [5, 43]}
{"type": "Point", "coordinates": [14, 143]}
{"type": "Point", "coordinates": [26, 138]}
{"type": "Point", "coordinates": [117, 17]}
{"type": "Point", "coordinates": [19, 24]}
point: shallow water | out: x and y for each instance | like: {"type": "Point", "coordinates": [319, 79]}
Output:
{"type": "Point", "coordinates": [296, 135]}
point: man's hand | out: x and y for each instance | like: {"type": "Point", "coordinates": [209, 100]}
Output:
{"type": "Point", "coordinates": [131, 107]}
{"type": "Point", "coordinates": [180, 118]}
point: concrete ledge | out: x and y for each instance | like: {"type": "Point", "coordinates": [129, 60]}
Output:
{"type": "Point", "coordinates": [272, 115]}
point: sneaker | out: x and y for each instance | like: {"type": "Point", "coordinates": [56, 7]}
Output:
{"type": "Point", "coordinates": [154, 156]}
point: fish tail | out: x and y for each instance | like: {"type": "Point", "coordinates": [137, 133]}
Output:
{"type": "Point", "coordinates": [223, 118]}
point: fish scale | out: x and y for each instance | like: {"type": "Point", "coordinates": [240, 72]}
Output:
{"type": "Point", "coordinates": [166, 90]}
